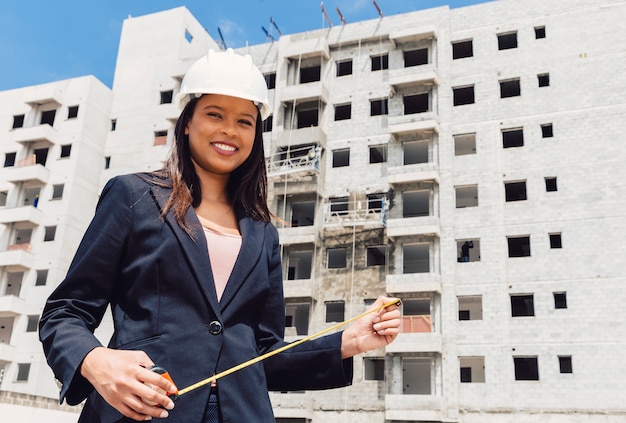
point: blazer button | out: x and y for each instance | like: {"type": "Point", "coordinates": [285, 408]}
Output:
{"type": "Point", "coordinates": [215, 327]}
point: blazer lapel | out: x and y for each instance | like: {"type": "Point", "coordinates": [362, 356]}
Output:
{"type": "Point", "coordinates": [252, 234]}
{"type": "Point", "coordinates": [195, 250]}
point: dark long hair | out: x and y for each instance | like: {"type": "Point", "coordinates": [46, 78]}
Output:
{"type": "Point", "coordinates": [247, 185]}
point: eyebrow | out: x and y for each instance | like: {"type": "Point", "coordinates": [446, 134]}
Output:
{"type": "Point", "coordinates": [214, 106]}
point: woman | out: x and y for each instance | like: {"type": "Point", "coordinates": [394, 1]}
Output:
{"type": "Point", "coordinates": [189, 263]}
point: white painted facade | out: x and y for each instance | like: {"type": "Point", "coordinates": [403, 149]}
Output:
{"type": "Point", "coordinates": [423, 176]}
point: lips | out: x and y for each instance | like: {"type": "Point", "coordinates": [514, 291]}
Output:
{"type": "Point", "coordinates": [227, 148]}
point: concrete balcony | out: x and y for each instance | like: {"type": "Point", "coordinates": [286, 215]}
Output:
{"type": "Point", "coordinates": [412, 34]}
{"type": "Point", "coordinates": [44, 94]}
{"type": "Point", "coordinates": [297, 235]}
{"type": "Point", "coordinates": [414, 408]}
{"type": "Point", "coordinates": [301, 93]}
{"type": "Point", "coordinates": [10, 305]}
{"type": "Point", "coordinates": [27, 214]}
{"type": "Point", "coordinates": [413, 282]}
{"type": "Point", "coordinates": [406, 342]}
{"type": "Point", "coordinates": [412, 76]}
{"type": "Point", "coordinates": [35, 173]}
{"type": "Point", "coordinates": [7, 353]}
{"type": "Point", "coordinates": [298, 288]}
{"type": "Point", "coordinates": [300, 47]}
{"type": "Point", "coordinates": [310, 135]}
{"type": "Point", "coordinates": [423, 172]}
{"type": "Point", "coordinates": [413, 123]}
{"type": "Point", "coordinates": [422, 225]}
{"type": "Point", "coordinates": [20, 258]}
{"type": "Point", "coordinates": [40, 133]}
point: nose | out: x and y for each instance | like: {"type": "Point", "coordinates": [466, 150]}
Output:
{"type": "Point", "coordinates": [228, 129]}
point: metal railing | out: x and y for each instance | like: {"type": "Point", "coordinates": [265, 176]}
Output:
{"type": "Point", "coordinates": [356, 213]}
{"type": "Point", "coordinates": [303, 160]}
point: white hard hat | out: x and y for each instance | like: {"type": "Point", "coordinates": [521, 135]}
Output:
{"type": "Point", "coordinates": [226, 73]}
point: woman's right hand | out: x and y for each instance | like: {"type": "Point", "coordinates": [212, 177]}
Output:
{"type": "Point", "coordinates": [123, 379]}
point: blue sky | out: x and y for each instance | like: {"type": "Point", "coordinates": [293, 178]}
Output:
{"type": "Point", "coordinates": [43, 41]}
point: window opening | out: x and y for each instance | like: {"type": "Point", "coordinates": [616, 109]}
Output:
{"type": "Point", "coordinates": [113, 124]}
{"type": "Point", "coordinates": [470, 307]}
{"type": "Point", "coordinates": [543, 80]}
{"type": "Point", "coordinates": [416, 258]}
{"type": "Point", "coordinates": [512, 138]}
{"type": "Point", "coordinates": [376, 256]}
{"type": "Point", "coordinates": [335, 311]}
{"type": "Point", "coordinates": [18, 121]}
{"type": "Point", "coordinates": [560, 300]}
{"type": "Point", "coordinates": [380, 62]}
{"type": "Point", "coordinates": [526, 368]}
{"type": "Point", "coordinates": [551, 184]}
{"type": "Point", "coordinates": [339, 206]}
{"type": "Point", "coordinates": [47, 117]}
{"type": "Point", "coordinates": [23, 370]}
{"type": "Point", "coordinates": [556, 241]}
{"type": "Point", "coordinates": [463, 95]}
{"type": "Point", "coordinates": [522, 305]}
{"type": "Point", "coordinates": [378, 153]}
{"type": "Point", "coordinates": [307, 118]}
{"type": "Point", "coordinates": [472, 369]}
{"type": "Point", "coordinates": [57, 191]}
{"type": "Point", "coordinates": [415, 203]}
{"type": "Point", "coordinates": [466, 196]}
{"type": "Point", "coordinates": [66, 150]}
{"type": "Point", "coordinates": [373, 368]}
{"type": "Point", "coordinates": [507, 41]}
{"type": "Point", "coordinates": [462, 49]}
{"type": "Point", "coordinates": [42, 277]}
{"type": "Point", "coordinates": [515, 191]}
{"type": "Point", "coordinates": [415, 152]}
{"type": "Point", "coordinates": [379, 107]}
{"type": "Point", "coordinates": [297, 316]}
{"type": "Point", "coordinates": [50, 232]}
{"type": "Point", "coordinates": [9, 159]}
{"type": "Point", "coordinates": [41, 155]}
{"type": "Point", "coordinates": [416, 376]}
{"type": "Point", "coordinates": [270, 80]}
{"type": "Point", "coordinates": [160, 138]}
{"type": "Point", "coordinates": [565, 364]}
{"type": "Point", "coordinates": [547, 131]}
{"type": "Point", "coordinates": [14, 284]}
{"type": "Point", "coordinates": [519, 246]}
{"type": "Point", "coordinates": [343, 111]}
{"type": "Point", "coordinates": [167, 97]}
{"type": "Point", "coordinates": [464, 144]}
{"type": "Point", "coordinates": [310, 74]}
{"type": "Point", "coordinates": [540, 32]}
{"type": "Point", "coordinates": [344, 67]}
{"type": "Point", "coordinates": [32, 323]}
{"type": "Point", "coordinates": [299, 265]}
{"type": "Point", "coordinates": [3, 198]}
{"type": "Point", "coordinates": [107, 162]}
{"type": "Point", "coordinates": [268, 124]}
{"type": "Point", "coordinates": [336, 258]}
{"type": "Point", "coordinates": [416, 103]}
{"type": "Point", "coordinates": [303, 213]}
{"type": "Point", "coordinates": [510, 88]}
{"type": "Point", "coordinates": [72, 112]}
{"type": "Point", "coordinates": [415, 57]}
{"type": "Point", "coordinates": [468, 250]}
{"type": "Point", "coordinates": [341, 157]}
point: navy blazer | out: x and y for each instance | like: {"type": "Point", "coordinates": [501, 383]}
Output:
{"type": "Point", "coordinates": [159, 285]}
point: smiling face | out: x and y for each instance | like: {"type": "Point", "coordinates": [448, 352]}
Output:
{"type": "Point", "coordinates": [221, 133]}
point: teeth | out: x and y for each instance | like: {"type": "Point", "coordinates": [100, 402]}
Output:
{"type": "Point", "coordinates": [224, 146]}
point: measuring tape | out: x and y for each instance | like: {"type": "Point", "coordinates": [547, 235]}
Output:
{"type": "Point", "coordinates": [175, 395]}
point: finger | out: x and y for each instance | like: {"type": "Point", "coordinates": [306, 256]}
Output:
{"type": "Point", "coordinates": [145, 411]}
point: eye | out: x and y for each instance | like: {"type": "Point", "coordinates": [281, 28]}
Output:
{"type": "Point", "coordinates": [246, 122]}
{"type": "Point", "coordinates": [214, 115]}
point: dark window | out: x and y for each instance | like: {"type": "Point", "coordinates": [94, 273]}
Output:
{"type": "Point", "coordinates": [376, 256]}
{"type": "Point", "coordinates": [113, 124]}
{"type": "Point", "coordinates": [167, 96]}
{"type": "Point", "coordinates": [543, 80]}
{"type": "Point", "coordinates": [335, 311]}
{"type": "Point", "coordinates": [522, 305]}
{"type": "Point", "coordinates": [42, 277]}
{"type": "Point", "coordinates": [9, 159]}
{"type": "Point", "coordinates": [526, 368]}
{"type": "Point", "coordinates": [551, 184]}
{"type": "Point", "coordinates": [464, 315]}
{"type": "Point", "coordinates": [546, 130]}
{"type": "Point", "coordinates": [466, 374]}
{"type": "Point", "coordinates": [47, 117]}
{"type": "Point", "coordinates": [376, 202]}
{"type": "Point", "coordinates": [268, 124]}
{"type": "Point", "coordinates": [66, 150]}
{"type": "Point", "coordinates": [41, 155]}
{"type": "Point", "coordinates": [380, 62]}
{"type": "Point", "coordinates": [515, 191]}
{"type": "Point", "coordinates": [18, 121]}
{"type": "Point", "coordinates": [510, 88]}
{"type": "Point", "coordinates": [507, 41]}
{"type": "Point", "coordinates": [415, 57]}
{"type": "Point", "coordinates": [339, 206]}
{"type": "Point", "coordinates": [343, 111]}
{"type": "Point", "coordinates": [378, 153]}
{"type": "Point", "coordinates": [270, 80]}
{"type": "Point", "coordinates": [555, 241]}
{"type": "Point", "coordinates": [107, 162]}
{"type": "Point", "coordinates": [540, 32]}
{"type": "Point", "coordinates": [341, 158]}
{"type": "Point", "coordinates": [463, 95]}
{"type": "Point", "coordinates": [31, 324]}
{"type": "Point", "coordinates": [461, 49]}
{"type": "Point", "coordinates": [337, 258]}
{"type": "Point", "coordinates": [417, 103]}
{"type": "Point", "coordinates": [344, 68]}
{"type": "Point", "coordinates": [379, 107]}
{"type": "Point", "coordinates": [23, 369]}
{"type": "Point", "coordinates": [519, 246]}
{"type": "Point", "coordinates": [160, 137]}
{"type": "Point", "coordinates": [57, 191]}
{"type": "Point", "coordinates": [374, 368]}
{"type": "Point", "coordinates": [50, 232]}
{"type": "Point", "coordinates": [560, 299]}
{"type": "Point", "coordinates": [3, 198]}
{"type": "Point", "coordinates": [565, 364]}
{"type": "Point", "coordinates": [311, 74]}
{"type": "Point", "coordinates": [512, 138]}
{"type": "Point", "coordinates": [72, 112]}
{"type": "Point", "coordinates": [307, 118]}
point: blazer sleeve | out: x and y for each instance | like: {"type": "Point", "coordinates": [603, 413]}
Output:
{"type": "Point", "coordinates": [76, 307]}
{"type": "Point", "coordinates": [316, 364]}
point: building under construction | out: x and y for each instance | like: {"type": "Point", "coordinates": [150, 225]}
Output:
{"type": "Point", "coordinates": [468, 161]}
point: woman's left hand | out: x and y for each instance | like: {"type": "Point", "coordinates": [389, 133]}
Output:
{"type": "Point", "coordinates": [372, 331]}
